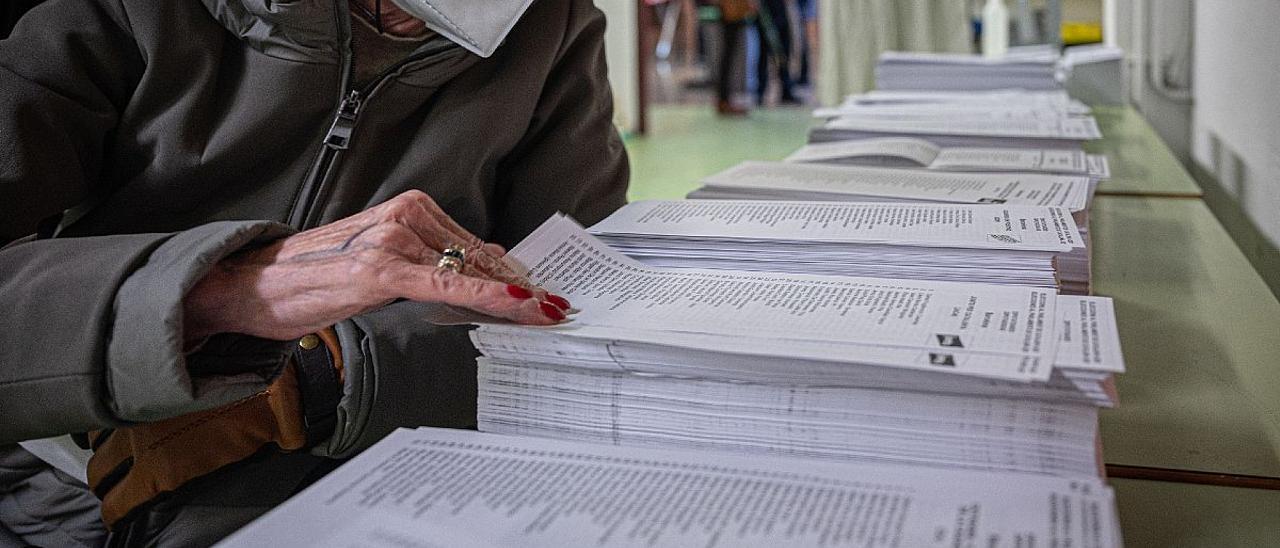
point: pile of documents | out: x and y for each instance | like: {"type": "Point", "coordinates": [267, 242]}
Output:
{"type": "Point", "coordinates": [996, 127]}
{"type": "Point", "coordinates": [795, 181]}
{"type": "Point", "coordinates": [1094, 74]}
{"type": "Point", "coordinates": [896, 70]}
{"type": "Point", "coordinates": [1057, 101]}
{"type": "Point", "coordinates": [435, 487]}
{"type": "Point", "coordinates": [998, 244]}
{"type": "Point", "coordinates": [950, 375]}
{"type": "Point", "coordinates": [908, 152]}
{"type": "Point", "coordinates": [1007, 147]}
{"type": "Point", "coordinates": [826, 182]}
{"type": "Point", "coordinates": [995, 119]}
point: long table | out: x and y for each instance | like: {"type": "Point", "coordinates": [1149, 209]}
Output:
{"type": "Point", "coordinates": [1141, 164]}
{"type": "Point", "coordinates": [1201, 337]}
{"type": "Point", "coordinates": [1164, 514]}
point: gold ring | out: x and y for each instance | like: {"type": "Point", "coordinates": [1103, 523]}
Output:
{"type": "Point", "coordinates": [456, 251]}
{"type": "Point", "coordinates": [449, 262]}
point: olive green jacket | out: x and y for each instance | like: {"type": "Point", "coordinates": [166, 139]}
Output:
{"type": "Point", "coordinates": [178, 132]}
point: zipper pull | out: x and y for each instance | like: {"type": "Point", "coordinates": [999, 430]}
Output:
{"type": "Point", "coordinates": [339, 136]}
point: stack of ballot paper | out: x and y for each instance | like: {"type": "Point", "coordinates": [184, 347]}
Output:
{"type": "Point", "coordinates": [952, 375]}
{"type": "Point", "coordinates": [1094, 73]}
{"type": "Point", "coordinates": [1057, 100]}
{"type": "Point", "coordinates": [999, 244]}
{"type": "Point", "coordinates": [952, 110]}
{"type": "Point", "coordinates": [825, 422]}
{"type": "Point", "coordinates": [896, 70]}
{"type": "Point", "coordinates": [789, 181]}
{"type": "Point", "coordinates": [435, 487]}
{"type": "Point", "coordinates": [825, 182]}
{"type": "Point", "coordinates": [1000, 119]}
{"type": "Point", "coordinates": [918, 153]}
{"type": "Point", "coordinates": [994, 127]}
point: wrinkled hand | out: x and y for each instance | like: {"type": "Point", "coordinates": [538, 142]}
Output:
{"type": "Point", "coordinates": [316, 278]}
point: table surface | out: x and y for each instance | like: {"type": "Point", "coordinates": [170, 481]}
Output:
{"type": "Point", "coordinates": [695, 143]}
{"type": "Point", "coordinates": [690, 142]}
{"type": "Point", "coordinates": [1140, 162]}
{"type": "Point", "coordinates": [1201, 338]}
{"type": "Point", "coordinates": [1177, 515]}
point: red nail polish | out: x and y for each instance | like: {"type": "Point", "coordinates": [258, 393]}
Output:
{"type": "Point", "coordinates": [558, 301]}
{"type": "Point", "coordinates": [518, 292]}
{"type": "Point", "coordinates": [551, 311]}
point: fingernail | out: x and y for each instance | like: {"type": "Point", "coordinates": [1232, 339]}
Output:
{"type": "Point", "coordinates": [518, 292]}
{"type": "Point", "coordinates": [559, 301]}
{"type": "Point", "coordinates": [551, 311]}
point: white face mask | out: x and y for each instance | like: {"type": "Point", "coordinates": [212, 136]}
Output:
{"type": "Point", "coordinates": [477, 25]}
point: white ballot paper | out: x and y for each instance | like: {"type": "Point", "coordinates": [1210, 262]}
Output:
{"type": "Point", "coordinates": [947, 111]}
{"type": "Point", "coordinates": [912, 152]}
{"type": "Point", "coordinates": [1033, 56]}
{"type": "Point", "coordinates": [1081, 368]}
{"type": "Point", "coordinates": [996, 244]}
{"type": "Point", "coordinates": [452, 488]}
{"type": "Point", "coordinates": [615, 291]}
{"type": "Point", "coordinates": [781, 180]}
{"type": "Point", "coordinates": [1082, 128]}
{"type": "Point", "coordinates": [789, 327]}
{"type": "Point", "coordinates": [1088, 338]}
{"type": "Point", "coordinates": [1011, 227]}
{"type": "Point", "coordinates": [1071, 162]}
{"type": "Point", "coordinates": [1036, 70]}
{"type": "Point", "coordinates": [1051, 99]}
{"type": "Point", "coordinates": [885, 150]}
{"type": "Point", "coordinates": [1099, 167]}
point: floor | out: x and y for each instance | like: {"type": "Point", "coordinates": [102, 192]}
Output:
{"type": "Point", "coordinates": [688, 142]}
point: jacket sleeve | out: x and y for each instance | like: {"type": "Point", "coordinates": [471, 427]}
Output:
{"type": "Point", "coordinates": [91, 328]}
{"type": "Point", "coordinates": [571, 159]}
{"type": "Point", "coordinates": [400, 376]}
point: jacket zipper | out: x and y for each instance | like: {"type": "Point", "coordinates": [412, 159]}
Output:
{"type": "Point", "coordinates": [339, 135]}
{"type": "Point", "coordinates": [336, 140]}
{"type": "Point", "coordinates": [307, 191]}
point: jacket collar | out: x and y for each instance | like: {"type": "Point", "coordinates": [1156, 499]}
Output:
{"type": "Point", "coordinates": [309, 31]}
{"type": "Point", "coordinates": [315, 30]}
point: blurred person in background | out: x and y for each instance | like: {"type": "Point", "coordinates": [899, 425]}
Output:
{"type": "Point", "coordinates": [808, 10]}
{"type": "Point", "coordinates": [733, 19]}
{"type": "Point", "coordinates": [774, 27]}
